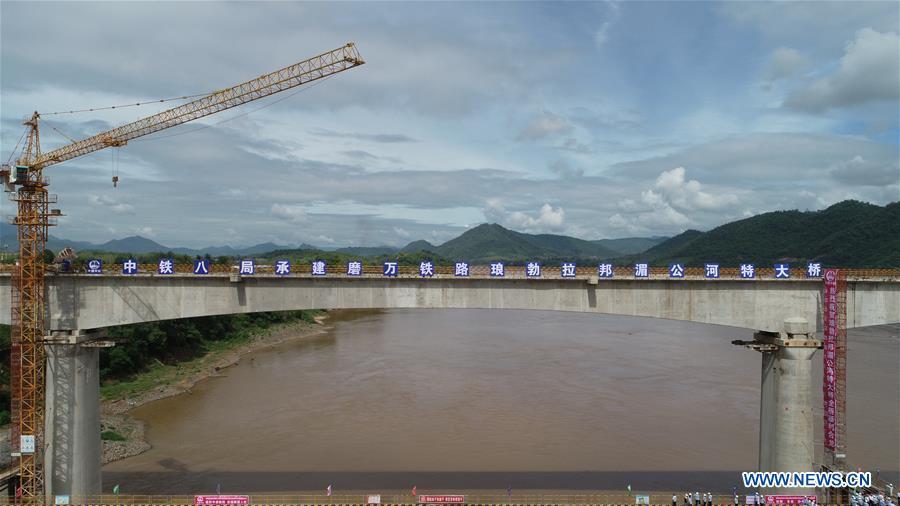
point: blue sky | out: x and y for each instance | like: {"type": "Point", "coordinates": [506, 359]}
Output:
{"type": "Point", "coordinates": [603, 119]}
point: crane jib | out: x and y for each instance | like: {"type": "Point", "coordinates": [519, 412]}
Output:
{"type": "Point", "coordinates": [312, 69]}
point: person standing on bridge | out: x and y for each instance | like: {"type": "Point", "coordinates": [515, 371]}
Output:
{"type": "Point", "coordinates": [697, 498]}
{"type": "Point", "coordinates": [674, 500]}
{"type": "Point", "coordinates": [687, 499]}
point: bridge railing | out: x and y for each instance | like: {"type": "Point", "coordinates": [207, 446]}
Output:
{"type": "Point", "coordinates": [583, 272]}
{"type": "Point", "coordinates": [549, 271]}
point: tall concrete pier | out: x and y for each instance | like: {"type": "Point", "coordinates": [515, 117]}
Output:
{"type": "Point", "coordinates": [786, 422]}
{"type": "Point", "coordinates": [72, 419]}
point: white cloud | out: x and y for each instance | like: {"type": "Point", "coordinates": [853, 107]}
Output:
{"type": "Point", "coordinates": [544, 125]}
{"type": "Point", "coordinates": [869, 71]}
{"type": "Point", "coordinates": [402, 232]}
{"type": "Point", "coordinates": [292, 213]}
{"type": "Point", "coordinates": [602, 33]}
{"type": "Point", "coordinates": [860, 172]}
{"type": "Point", "coordinates": [548, 218]}
{"type": "Point", "coordinates": [111, 204]}
{"type": "Point", "coordinates": [689, 195]}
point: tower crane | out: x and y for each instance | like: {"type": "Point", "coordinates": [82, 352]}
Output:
{"type": "Point", "coordinates": [34, 215]}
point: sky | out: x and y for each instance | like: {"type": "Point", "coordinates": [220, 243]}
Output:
{"type": "Point", "coordinates": [591, 119]}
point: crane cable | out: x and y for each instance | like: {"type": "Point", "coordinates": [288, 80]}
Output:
{"type": "Point", "coordinates": [92, 109]}
{"type": "Point", "coordinates": [313, 85]}
{"type": "Point", "coordinates": [60, 133]}
{"type": "Point", "coordinates": [13, 152]}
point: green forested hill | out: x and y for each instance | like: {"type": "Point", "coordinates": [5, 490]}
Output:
{"type": "Point", "coordinates": [847, 234]}
{"type": "Point", "coordinates": [493, 242]}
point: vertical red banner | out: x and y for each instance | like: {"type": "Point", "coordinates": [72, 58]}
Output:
{"type": "Point", "coordinates": [829, 385]}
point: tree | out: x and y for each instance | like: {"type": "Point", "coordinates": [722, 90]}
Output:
{"type": "Point", "coordinates": [48, 256]}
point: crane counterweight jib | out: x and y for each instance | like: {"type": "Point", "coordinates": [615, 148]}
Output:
{"type": "Point", "coordinates": [312, 69]}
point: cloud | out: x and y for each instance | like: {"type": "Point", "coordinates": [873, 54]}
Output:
{"type": "Point", "coordinates": [857, 171]}
{"type": "Point", "coordinates": [575, 146]}
{"type": "Point", "coordinates": [672, 189]}
{"type": "Point", "coordinates": [564, 170]}
{"type": "Point", "coordinates": [786, 62]}
{"type": "Point", "coordinates": [761, 158]}
{"type": "Point", "coordinates": [380, 138]}
{"type": "Point", "coordinates": [869, 71]}
{"type": "Point", "coordinates": [110, 204]}
{"type": "Point", "coordinates": [544, 125]}
{"type": "Point", "coordinates": [549, 219]}
{"type": "Point", "coordinates": [402, 232]}
{"type": "Point", "coordinates": [602, 33]}
{"type": "Point", "coordinates": [291, 213]}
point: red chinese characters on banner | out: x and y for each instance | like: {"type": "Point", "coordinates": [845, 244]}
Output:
{"type": "Point", "coordinates": [829, 385]}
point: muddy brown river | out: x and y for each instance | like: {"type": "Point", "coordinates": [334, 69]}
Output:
{"type": "Point", "coordinates": [476, 399]}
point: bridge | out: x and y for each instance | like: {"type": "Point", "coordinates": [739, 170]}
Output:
{"type": "Point", "coordinates": [785, 312]}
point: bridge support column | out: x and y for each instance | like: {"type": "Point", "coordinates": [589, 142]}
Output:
{"type": "Point", "coordinates": [72, 416]}
{"type": "Point", "coordinates": [786, 422]}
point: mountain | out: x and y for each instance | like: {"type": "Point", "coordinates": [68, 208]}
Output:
{"type": "Point", "coordinates": [672, 245]}
{"type": "Point", "coordinates": [367, 251]}
{"type": "Point", "coordinates": [133, 244]}
{"type": "Point", "coordinates": [417, 246]}
{"type": "Point", "coordinates": [849, 233]}
{"type": "Point", "coordinates": [630, 245]}
{"type": "Point", "coordinates": [138, 245]}
{"type": "Point", "coordinates": [493, 242]}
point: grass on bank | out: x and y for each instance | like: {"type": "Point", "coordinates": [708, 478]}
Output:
{"type": "Point", "coordinates": [111, 435]}
{"type": "Point", "coordinates": [160, 374]}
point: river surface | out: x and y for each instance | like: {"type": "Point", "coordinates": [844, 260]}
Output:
{"type": "Point", "coordinates": [477, 399]}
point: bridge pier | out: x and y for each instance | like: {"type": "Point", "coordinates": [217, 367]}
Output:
{"type": "Point", "coordinates": [73, 448]}
{"type": "Point", "coordinates": [786, 421]}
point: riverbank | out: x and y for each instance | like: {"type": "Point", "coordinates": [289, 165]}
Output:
{"type": "Point", "coordinates": [124, 435]}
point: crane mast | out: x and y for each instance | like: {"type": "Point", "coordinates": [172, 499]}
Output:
{"type": "Point", "coordinates": [34, 216]}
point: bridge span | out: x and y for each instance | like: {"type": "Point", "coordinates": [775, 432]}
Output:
{"type": "Point", "coordinates": [785, 312]}
{"type": "Point", "coordinates": [79, 302]}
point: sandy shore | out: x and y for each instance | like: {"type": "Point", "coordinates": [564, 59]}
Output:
{"type": "Point", "coordinates": [114, 414]}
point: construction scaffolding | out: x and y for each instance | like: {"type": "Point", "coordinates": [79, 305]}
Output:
{"type": "Point", "coordinates": [834, 380]}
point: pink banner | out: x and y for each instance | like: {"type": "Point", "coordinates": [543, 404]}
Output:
{"type": "Point", "coordinates": [829, 385]}
{"type": "Point", "coordinates": [441, 499]}
{"type": "Point", "coordinates": [221, 500]}
{"type": "Point", "coordinates": [790, 499]}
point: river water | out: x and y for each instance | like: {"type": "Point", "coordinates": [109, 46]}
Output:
{"type": "Point", "coordinates": [477, 399]}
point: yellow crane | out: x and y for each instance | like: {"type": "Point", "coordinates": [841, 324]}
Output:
{"type": "Point", "coordinates": [34, 216]}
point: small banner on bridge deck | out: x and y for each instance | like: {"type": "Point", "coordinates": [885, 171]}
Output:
{"type": "Point", "coordinates": [221, 500]}
{"type": "Point", "coordinates": [829, 383]}
{"type": "Point", "coordinates": [790, 499]}
{"type": "Point", "coordinates": [441, 499]}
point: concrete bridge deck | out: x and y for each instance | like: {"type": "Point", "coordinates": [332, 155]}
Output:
{"type": "Point", "coordinates": [83, 302]}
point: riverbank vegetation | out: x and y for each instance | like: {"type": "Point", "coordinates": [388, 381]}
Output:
{"type": "Point", "coordinates": [147, 355]}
